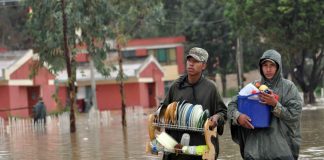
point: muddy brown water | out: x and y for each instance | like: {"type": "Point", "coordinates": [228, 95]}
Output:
{"type": "Point", "coordinates": [113, 142]}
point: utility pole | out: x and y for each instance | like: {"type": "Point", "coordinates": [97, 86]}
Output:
{"type": "Point", "coordinates": [239, 62]}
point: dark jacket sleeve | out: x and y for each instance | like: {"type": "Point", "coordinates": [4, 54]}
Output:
{"type": "Point", "coordinates": [221, 108]}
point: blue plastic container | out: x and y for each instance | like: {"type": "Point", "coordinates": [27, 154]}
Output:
{"type": "Point", "coordinates": [259, 113]}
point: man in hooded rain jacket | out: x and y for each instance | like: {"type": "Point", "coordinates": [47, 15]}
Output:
{"type": "Point", "coordinates": [282, 139]}
{"type": "Point", "coordinates": [39, 111]}
{"type": "Point", "coordinates": [194, 88]}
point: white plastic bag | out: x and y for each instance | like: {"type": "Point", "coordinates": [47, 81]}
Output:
{"type": "Point", "coordinates": [248, 89]}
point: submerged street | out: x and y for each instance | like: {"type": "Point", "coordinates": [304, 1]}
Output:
{"type": "Point", "coordinates": [106, 139]}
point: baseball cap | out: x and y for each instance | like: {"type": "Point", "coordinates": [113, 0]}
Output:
{"type": "Point", "coordinates": [268, 59]}
{"type": "Point", "coordinates": [199, 54]}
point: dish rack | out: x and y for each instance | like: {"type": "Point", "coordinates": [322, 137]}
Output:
{"type": "Point", "coordinates": [182, 116]}
{"type": "Point", "coordinates": [177, 127]}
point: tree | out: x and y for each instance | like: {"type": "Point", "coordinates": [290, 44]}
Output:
{"type": "Point", "coordinates": [131, 20]}
{"type": "Point", "coordinates": [294, 28]}
{"type": "Point", "coordinates": [204, 25]}
{"type": "Point", "coordinates": [52, 26]}
{"type": "Point", "coordinates": [12, 18]}
{"type": "Point", "coordinates": [59, 27]}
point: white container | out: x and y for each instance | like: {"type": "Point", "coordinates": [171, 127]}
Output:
{"type": "Point", "coordinates": [185, 139]}
{"type": "Point", "coordinates": [166, 141]}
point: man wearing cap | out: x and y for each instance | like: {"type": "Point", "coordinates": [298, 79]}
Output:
{"type": "Point", "coordinates": [195, 88]}
{"type": "Point", "coordinates": [282, 139]}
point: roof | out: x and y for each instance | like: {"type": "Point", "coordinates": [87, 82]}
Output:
{"type": "Point", "coordinates": [83, 73]}
{"type": "Point", "coordinates": [131, 70]}
{"type": "Point", "coordinates": [11, 60]}
{"type": "Point", "coordinates": [154, 43]}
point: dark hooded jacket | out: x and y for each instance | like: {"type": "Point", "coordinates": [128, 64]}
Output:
{"type": "Point", "coordinates": [39, 111]}
{"type": "Point", "coordinates": [205, 93]}
{"type": "Point", "coordinates": [282, 139]}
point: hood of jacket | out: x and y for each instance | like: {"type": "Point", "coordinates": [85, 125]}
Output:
{"type": "Point", "coordinates": [276, 57]}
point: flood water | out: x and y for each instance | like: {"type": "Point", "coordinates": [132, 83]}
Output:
{"type": "Point", "coordinates": [112, 141]}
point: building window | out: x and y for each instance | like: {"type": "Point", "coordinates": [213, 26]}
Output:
{"type": "Point", "coordinates": [129, 54]}
{"type": "Point", "coordinates": [165, 56]}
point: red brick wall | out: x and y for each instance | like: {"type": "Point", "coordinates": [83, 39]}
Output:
{"type": "Point", "coordinates": [108, 96]}
{"type": "Point", "coordinates": [4, 101]}
{"type": "Point", "coordinates": [18, 101]}
{"type": "Point", "coordinates": [153, 71]}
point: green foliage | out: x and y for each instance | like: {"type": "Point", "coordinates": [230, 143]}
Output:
{"type": "Point", "coordinates": [318, 91]}
{"type": "Point", "coordinates": [232, 92]}
{"type": "Point", "coordinates": [204, 25]}
{"type": "Point", "coordinates": [294, 28]}
{"type": "Point", "coordinates": [97, 20]}
{"type": "Point", "coordinates": [132, 18]}
{"type": "Point", "coordinates": [45, 26]}
{"type": "Point", "coordinates": [12, 36]}
{"type": "Point", "coordinates": [283, 23]}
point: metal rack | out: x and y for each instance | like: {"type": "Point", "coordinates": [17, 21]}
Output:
{"type": "Point", "coordinates": [155, 123]}
{"type": "Point", "coordinates": [181, 116]}
{"type": "Point", "coordinates": [177, 127]}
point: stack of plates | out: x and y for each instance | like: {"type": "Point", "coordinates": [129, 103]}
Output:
{"type": "Point", "coordinates": [169, 114]}
{"type": "Point", "coordinates": [190, 115]}
{"type": "Point", "coordinates": [203, 117]}
{"type": "Point", "coordinates": [160, 113]}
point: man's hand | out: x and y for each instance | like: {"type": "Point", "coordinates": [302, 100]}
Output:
{"type": "Point", "coordinates": [268, 98]}
{"type": "Point", "coordinates": [245, 121]}
{"type": "Point", "coordinates": [218, 121]}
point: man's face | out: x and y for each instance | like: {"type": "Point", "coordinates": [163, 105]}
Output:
{"type": "Point", "coordinates": [269, 69]}
{"type": "Point", "coordinates": [194, 67]}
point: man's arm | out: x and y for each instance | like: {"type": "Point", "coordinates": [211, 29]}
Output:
{"type": "Point", "coordinates": [220, 117]}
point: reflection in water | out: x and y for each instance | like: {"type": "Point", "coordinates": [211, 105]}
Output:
{"type": "Point", "coordinates": [114, 142]}
{"type": "Point", "coordinates": [312, 134]}
{"type": "Point", "coordinates": [125, 140]}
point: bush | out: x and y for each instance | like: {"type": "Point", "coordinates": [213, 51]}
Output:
{"type": "Point", "coordinates": [231, 92]}
{"type": "Point", "coordinates": [318, 91]}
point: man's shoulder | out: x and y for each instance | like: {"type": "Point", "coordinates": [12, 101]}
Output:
{"type": "Point", "coordinates": [208, 84]}
{"type": "Point", "coordinates": [208, 81]}
{"type": "Point", "coordinates": [179, 80]}
{"type": "Point", "coordinates": [288, 82]}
